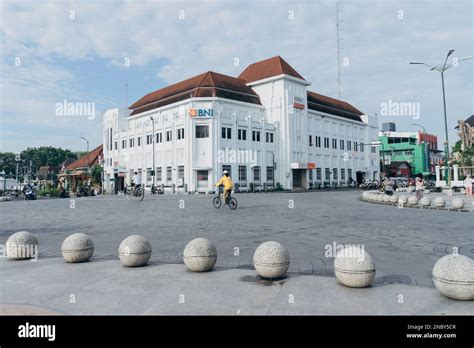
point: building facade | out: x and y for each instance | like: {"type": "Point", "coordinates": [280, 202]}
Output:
{"type": "Point", "coordinates": [406, 154]}
{"type": "Point", "coordinates": [265, 127]}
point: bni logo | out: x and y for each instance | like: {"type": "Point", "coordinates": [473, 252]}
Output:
{"type": "Point", "coordinates": [193, 112]}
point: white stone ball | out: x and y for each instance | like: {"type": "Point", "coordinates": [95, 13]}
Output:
{"type": "Point", "coordinates": [394, 199]}
{"type": "Point", "coordinates": [386, 198]}
{"type": "Point", "coordinates": [200, 255]}
{"type": "Point", "coordinates": [457, 203]}
{"type": "Point", "coordinates": [134, 251]}
{"type": "Point", "coordinates": [425, 201]}
{"type": "Point", "coordinates": [403, 200]}
{"type": "Point", "coordinates": [271, 260]}
{"type": "Point", "coordinates": [439, 202]}
{"type": "Point", "coordinates": [453, 276]}
{"type": "Point", "coordinates": [412, 200]}
{"type": "Point", "coordinates": [354, 267]}
{"type": "Point", "coordinates": [21, 246]}
{"type": "Point", "coordinates": [78, 247]}
{"type": "Point", "coordinates": [410, 189]}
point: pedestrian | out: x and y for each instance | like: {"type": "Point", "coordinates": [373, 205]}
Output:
{"type": "Point", "coordinates": [418, 187]}
{"type": "Point", "coordinates": [388, 186]}
{"type": "Point", "coordinates": [468, 185]}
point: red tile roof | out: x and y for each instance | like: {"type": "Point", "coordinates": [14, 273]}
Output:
{"type": "Point", "coordinates": [87, 160]}
{"type": "Point", "coordinates": [333, 106]}
{"type": "Point", "coordinates": [267, 68]}
{"type": "Point", "coordinates": [208, 84]}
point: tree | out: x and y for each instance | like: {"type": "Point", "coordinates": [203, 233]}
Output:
{"type": "Point", "coordinates": [33, 158]}
{"type": "Point", "coordinates": [7, 162]}
{"type": "Point", "coordinates": [96, 174]}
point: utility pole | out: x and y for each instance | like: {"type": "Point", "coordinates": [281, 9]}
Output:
{"type": "Point", "coordinates": [338, 35]}
{"type": "Point", "coordinates": [87, 141]}
{"type": "Point", "coordinates": [153, 151]}
{"type": "Point", "coordinates": [442, 69]}
{"type": "Point", "coordinates": [17, 160]}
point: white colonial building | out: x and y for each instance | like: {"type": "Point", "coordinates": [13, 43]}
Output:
{"type": "Point", "coordinates": [265, 127]}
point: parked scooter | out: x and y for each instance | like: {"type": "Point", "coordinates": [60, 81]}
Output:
{"type": "Point", "coordinates": [156, 190]}
{"type": "Point", "coordinates": [29, 193]}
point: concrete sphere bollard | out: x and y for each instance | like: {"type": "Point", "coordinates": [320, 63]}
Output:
{"type": "Point", "coordinates": [412, 200]}
{"type": "Point", "coordinates": [453, 276]}
{"type": "Point", "coordinates": [439, 202]}
{"type": "Point", "coordinates": [457, 203]}
{"type": "Point", "coordinates": [365, 195]}
{"type": "Point", "coordinates": [425, 201]}
{"type": "Point", "coordinates": [22, 245]}
{"type": "Point", "coordinates": [200, 255]}
{"type": "Point", "coordinates": [394, 199]}
{"type": "Point", "coordinates": [134, 251]}
{"type": "Point", "coordinates": [354, 267]}
{"type": "Point", "coordinates": [271, 260]}
{"type": "Point", "coordinates": [77, 247]}
{"type": "Point", "coordinates": [403, 200]}
{"type": "Point", "coordinates": [410, 189]}
{"type": "Point", "coordinates": [386, 198]}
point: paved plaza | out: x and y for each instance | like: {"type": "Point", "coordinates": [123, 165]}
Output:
{"type": "Point", "coordinates": [404, 243]}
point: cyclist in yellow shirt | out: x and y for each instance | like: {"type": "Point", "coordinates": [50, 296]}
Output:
{"type": "Point", "coordinates": [226, 180]}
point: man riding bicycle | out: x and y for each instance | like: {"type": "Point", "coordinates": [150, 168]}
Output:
{"type": "Point", "coordinates": [136, 182]}
{"type": "Point", "coordinates": [226, 181]}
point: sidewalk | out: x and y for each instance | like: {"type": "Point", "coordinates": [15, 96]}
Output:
{"type": "Point", "coordinates": [51, 286]}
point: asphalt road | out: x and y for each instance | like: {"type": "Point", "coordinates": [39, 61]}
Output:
{"type": "Point", "coordinates": [405, 243]}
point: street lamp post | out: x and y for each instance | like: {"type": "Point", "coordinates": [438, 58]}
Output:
{"type": "Point", "coordinates": [153, 151]}
{"type": "Point", "coordinates": [442, 69]}
{"type": "Point", "coordinates": [87, 141]}
{"type": "Point", "coordinates": [4, 175]}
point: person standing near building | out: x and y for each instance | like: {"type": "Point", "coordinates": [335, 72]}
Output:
{"type": "Point", "coordinates": [419, 187]}
{"type": "Point", "coordinates": [468, 185]}
{"type": "Point", "coordinates": [388, 183]}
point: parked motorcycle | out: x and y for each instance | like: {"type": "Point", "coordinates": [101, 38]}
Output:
{"type": "Point", "coordinates": [155, 189]}
{"type": "Point", "coordinates": [63, 193]}
{"type": "Point", "coordinates": [29, 193]}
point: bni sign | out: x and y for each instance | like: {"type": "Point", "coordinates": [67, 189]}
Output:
{"type": "Point", "coordinates": [193, 112]}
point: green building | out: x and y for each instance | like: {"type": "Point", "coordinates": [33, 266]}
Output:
{"type": "Point", "coordinates": [407, 154]}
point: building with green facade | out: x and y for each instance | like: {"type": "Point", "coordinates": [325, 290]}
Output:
{"type": "Point", "coordinates": [407, 154]}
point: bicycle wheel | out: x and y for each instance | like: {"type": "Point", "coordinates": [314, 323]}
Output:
{"type": "Point", "coordinates": [217, 202]}
{"type": "Point", "coordinates": [128, 193]}
{"type": "Point", "coordinates": [141, 194]}
{"type": "Point", "coordinates": [233, 203]}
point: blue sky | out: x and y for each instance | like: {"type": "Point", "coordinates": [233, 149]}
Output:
{"type": "Point", "coordinates": [77, 50]}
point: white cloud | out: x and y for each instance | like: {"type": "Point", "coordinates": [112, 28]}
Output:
{"type": "Point", "coordinates": [377, 43]}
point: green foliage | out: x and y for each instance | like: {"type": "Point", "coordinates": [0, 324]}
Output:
{"type": "Point", "coordinates": [37, 157]}
{"type": "Point", "coordinates": [54, 193]}
{"type": "Point", "coordinates": [466, 156]}
{"type": "Point", "coordinates": [96, 175]}
{"type": "Point", "coordinates": [7, 162]}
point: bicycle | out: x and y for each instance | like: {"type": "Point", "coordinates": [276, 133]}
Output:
{"type": "Point", "coordinates": [231, 201]}
{"type": "Point", "coordinates": [136, 194]}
